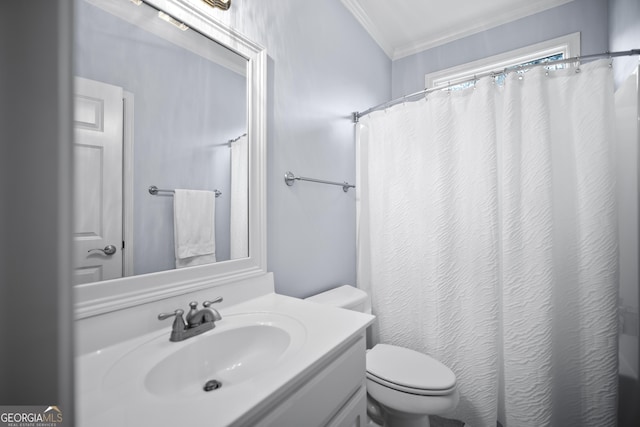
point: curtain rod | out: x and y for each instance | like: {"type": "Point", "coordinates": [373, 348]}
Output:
{"type": "Point", "coordinates": [355, 116]}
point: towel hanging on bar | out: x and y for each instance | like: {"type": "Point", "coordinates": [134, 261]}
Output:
{"type": "Point", "coordinates": [194, 227]}
{"type": "Point", "coordinates": [231, 141]}
{"type": "Point", "coordinates": [153, 190]}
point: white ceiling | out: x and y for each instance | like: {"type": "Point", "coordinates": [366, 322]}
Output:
{"type": "Point", "coordinates": [405, 27]}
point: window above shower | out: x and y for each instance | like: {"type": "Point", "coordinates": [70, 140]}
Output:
{"type": "Point", "coordinates": [559, 48]}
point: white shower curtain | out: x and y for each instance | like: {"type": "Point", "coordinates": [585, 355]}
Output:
{"type": "Point", "coordinates": [239, 222]}
{"type": "Point", "coordinates": [487, 238]}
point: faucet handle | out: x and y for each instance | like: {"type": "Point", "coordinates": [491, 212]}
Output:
{"type": "Point", "coordinates": [162, 316]}
{"type": "Point", "coordinates": [216, 313]}
{"type": "Point", "coordinates": [208, 303]}
{"type": "Point", "coordinates": [179, 325]}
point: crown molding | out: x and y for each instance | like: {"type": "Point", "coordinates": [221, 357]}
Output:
{"type": "Point", "coordinates": [365, 20]}
{"type": "Point", "coordinates": [462, 31]}
{"type": "Point", "coordinates": [453, 33]}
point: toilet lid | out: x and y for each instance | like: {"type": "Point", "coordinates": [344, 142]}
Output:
{"type": "Point", "coordinates": [408, 370]}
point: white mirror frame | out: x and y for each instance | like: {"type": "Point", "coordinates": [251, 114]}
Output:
{"type": "Point", "coordinates": [103, 297]}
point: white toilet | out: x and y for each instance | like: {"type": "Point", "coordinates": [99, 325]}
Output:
{"type": "Point", "coordinates": [407, 385]}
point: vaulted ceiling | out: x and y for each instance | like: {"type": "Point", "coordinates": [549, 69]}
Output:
{"type": "Point", "coordinates": [405, 27]}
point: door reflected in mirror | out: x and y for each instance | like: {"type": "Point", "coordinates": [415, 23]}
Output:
{"type": "Point", "coordinates": [156, 104]}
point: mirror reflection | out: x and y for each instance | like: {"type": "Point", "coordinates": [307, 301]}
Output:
{"type": "Point", "coordinates": [157, 104]}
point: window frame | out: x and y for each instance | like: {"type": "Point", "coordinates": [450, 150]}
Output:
{"type": "Point", "coordinates": [568, 45]}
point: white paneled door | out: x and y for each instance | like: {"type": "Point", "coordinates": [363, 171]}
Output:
{"type": "Point", "coordinates": [98, 181]}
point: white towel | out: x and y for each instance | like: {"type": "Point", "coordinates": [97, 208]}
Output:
{"type": "Point", "coordinates": [194, 227]}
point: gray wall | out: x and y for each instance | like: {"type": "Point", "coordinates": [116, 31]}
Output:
{"type": "Point", "coordinates": [322, 66]}
{"type": "Point", "coordinates": [36, 356]}
{"type": "Point", "coordinates": [624, 34]}
{"type": "Point", "coordinates": [587, 16]}
{"type": "Point", "coordinates": [186, 109]}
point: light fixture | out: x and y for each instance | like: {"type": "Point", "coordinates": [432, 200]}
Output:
{"type": "Point", "coordinates": [136, 2]}
{"type": "Point", "coordinates": [222, 4]}
{"type": "Point", "coordinates": [172, 20]}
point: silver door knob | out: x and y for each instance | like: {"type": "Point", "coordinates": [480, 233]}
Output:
{"type": "Point", "coordinates": [108, 250]}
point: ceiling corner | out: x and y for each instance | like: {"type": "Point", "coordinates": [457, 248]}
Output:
{"type": "Point", "coordinates": [367, 23]}
{"type": "Point", "coordinates": [405, 36]}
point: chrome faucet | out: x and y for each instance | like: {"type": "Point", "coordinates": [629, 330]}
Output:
{"type": "Point", "coordinates": [197, 321]}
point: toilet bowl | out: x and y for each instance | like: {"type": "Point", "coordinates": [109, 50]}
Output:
{"type": "Point", "coordinates": [407, 385]}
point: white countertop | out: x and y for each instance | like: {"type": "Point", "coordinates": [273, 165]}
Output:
{"type": "Point", "coordinates": [125, 402]}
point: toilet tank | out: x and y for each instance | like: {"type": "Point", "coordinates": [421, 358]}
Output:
{"type": "Point", "coordinates": [345, 296]}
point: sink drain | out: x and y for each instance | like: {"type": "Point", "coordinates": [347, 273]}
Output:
{"type": "Point", "coordinates": [212, 385]}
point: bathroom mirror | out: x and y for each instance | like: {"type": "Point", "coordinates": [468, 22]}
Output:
{"type": "Point", "coordinates": [186, 96]}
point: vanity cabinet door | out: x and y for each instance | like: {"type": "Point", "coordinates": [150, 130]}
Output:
{"type": "Point", "coordinates": [354, 413]}
{"type": "Point", "coordinates": [324, 398]}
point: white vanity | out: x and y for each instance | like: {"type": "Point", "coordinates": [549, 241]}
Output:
{"type": "Point", "coordinates": [280, 361]}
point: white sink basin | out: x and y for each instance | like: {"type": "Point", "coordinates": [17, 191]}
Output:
{"type": "Point", "coordinates": [229, 357]}
{"type": "Point", "coordinates": [240, 348]}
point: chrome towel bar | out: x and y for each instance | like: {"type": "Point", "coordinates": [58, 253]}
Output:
{"type": "Point", "coordinates": [290, 178]}
{"type": "Point", "coordinates": [153, 190]}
